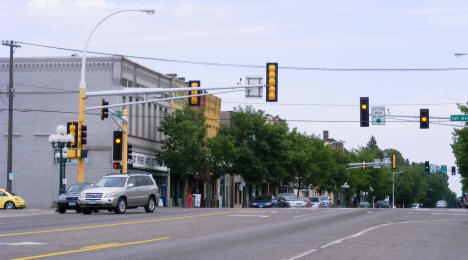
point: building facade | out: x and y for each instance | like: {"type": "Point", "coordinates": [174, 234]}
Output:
{"type": "Point", "coordinates": [46, 95]}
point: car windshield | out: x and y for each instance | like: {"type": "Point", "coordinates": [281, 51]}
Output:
{"type": "Point", "coordinates": [79, 187]}
{"type": "Point", "coordinates": [263, 197]}
{"type": "Point", "coordinates": [290, 198]}
{"type": "Point", "coordinates": [12, 193]}
{"type": "Point", "coordinates": [314, 199]}
{"type": "Point", "coordinates": [111, 182]}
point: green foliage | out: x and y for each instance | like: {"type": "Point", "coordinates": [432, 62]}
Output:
{"type": "Point", "coordinates": [460, 149]}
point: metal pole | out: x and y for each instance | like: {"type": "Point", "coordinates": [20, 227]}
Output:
{"type": "Point", "coordinates": [62, 169]}
{"type": "Point", "coordinates": [125, 141]}
{"type": "Point", "coordinates": [9, 182]}
{"type": "Point", "coordinates": [393, 189]}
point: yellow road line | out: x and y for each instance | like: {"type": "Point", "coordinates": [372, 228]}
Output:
{"type": "Point", "coordinates": [119, 224]}
{"type": "Point", "coordinates": [90, 248]}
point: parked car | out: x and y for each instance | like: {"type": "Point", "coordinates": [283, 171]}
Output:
{"type": "Point", "coordinates": [463, 201]}
{"type": "Point", "coordinates": [290, 202]}
{"type": "Point", "coordinates": [119, 192]}
{"type": "Point", "coordinates": [325, 201]}
{"type": "Point", "coordinates": [307, 201]}
{"type": "Point", "coordinates": [9, 200]}
{"type": "Point", "coordinates": [415, 206]}
{"type": "Point", "coordinates": [69, 199]}
{"type": "Point", "coordinates": [364, 204]}
{"type": "Point", "coordinates": [382, 204]}
{"type": "Point", "coordinates": [265, 201]}
{"type": "Point", "coordinates": [315, 202]}
{"type": "Point", "coordinates": [441, 204]}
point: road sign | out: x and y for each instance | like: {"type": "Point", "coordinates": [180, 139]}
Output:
{"type": "Point", "coordinates": [386, 162]}
{"type": "Point", "coordinates": [378, 115]}
{"type": "Point", "coordinates": [118, 113]}
{"type": "Point", "coordinates": [433, 168]}
{"type": "Point", "coordinates": [377, 163]}
{"type": "Point", "coordinates": [458, 117]}
{"type": "Point", "coordinates": [443, 168]}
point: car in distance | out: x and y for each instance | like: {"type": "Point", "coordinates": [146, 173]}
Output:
{"type": "Point", "coordinates": [9, 200]}
{"type": "Point", "coordinates": [441, 204]}
{"type": "Point", "coordinates": [325, 201]}
{"type": "Point", "coordinates": [364, 204]}
{"type": "Point", "coordinates": [381, 204]}
{"type": "Point", "coordinates": [307, 201]}
{"type": "Point", "coordinates": [69, 199]}
{"type": "Point", "coordinates": [290, 202]}
{"type": "Point", "coordinates": [265, 201]}
{"type": "Point", "coordinates": [315, 202]}
{"type": "Point", "coordinates": [119, 192]}
{"type": "Point", "coordinates": [415, 206]}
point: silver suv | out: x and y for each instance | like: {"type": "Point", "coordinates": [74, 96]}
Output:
{"type": "Point", "coordinates": [117, 192]}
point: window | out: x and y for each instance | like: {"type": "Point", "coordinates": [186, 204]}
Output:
{"type": "Point", "coordinates": [141, 180]}
{"type": "Point", "coordinates": [2, 193]}
{"type": "Point", "coordinates": [126, 83]}
{"type": "Point", "coordinates": [131, 180]}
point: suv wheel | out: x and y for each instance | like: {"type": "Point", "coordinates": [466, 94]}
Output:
{"type": "Point", "coordinates": [61, 210]}
{"type": "Point", "coordinates": [150, 205]}
{"type": "Point", "coordinates": [121, 206]}
{"type": "Point", "coordinates": [86, 211]}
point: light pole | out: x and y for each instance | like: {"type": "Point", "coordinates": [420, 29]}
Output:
{"type": "Point", "coordinates": [372, 191]}
{"type": "Point", "coordinates": [344, 186]}
{"type": "Point", "coordinates": [82, 95]}
{"type": "Point", "coordinates": [60, 140]}
{"type": "Point", "coordinates": [393, 188]}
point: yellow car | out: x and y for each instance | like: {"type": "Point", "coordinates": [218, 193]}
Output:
{"type": "Point", "coordinates": [9, 200]}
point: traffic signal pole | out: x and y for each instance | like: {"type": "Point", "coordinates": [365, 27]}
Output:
{"type": "Point", "coordinates": [125, 141]}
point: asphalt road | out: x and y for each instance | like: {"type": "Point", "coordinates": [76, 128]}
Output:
{"type": "Point", "coordinates": [177, 233]}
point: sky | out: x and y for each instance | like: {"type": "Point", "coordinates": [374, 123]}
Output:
{"type": "Point", "coordinates": [314, 34]}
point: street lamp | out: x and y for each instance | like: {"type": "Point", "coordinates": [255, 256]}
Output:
{"type": "Point", "coordinates": [60, 140]}
{"type": "Point", "coordinates": [82, 95]}
{"type": "Point", "coordinates": [344, 186]}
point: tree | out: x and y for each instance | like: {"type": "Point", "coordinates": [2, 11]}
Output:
{"type": "Point", "coordinates": [372, 144]}
{"type": "Point", "coordinates": [460, 149]}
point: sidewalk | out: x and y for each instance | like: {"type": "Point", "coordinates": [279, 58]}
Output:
{"type": "Point", "coordinates": [25, 212]}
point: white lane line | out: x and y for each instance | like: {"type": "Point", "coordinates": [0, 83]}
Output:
{"type": "Point", "coordinates": [260, 216]}
{"type": "Point", "coordinates": [360, 233]}
{"type": "Point", "coordinates": [22, 244]}
{"type": "Point", "coordinates": [316, 213]}
{"type": "Point", "coordinates": [451, 214]}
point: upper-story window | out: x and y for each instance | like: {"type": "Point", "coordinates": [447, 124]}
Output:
{"type": "Point", "coordinates": [126, 83]}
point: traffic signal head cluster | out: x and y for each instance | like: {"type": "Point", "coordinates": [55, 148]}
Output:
{"type": "Point", "coordinates": [364, 111]}
{"type": "Point", "coordinates": [272, 82]}
{"type": "Point", "coordinates": [427, 168]}
{"type": "Point", "coordinates": [129, 155]}
{"type": "Point", "coordinates": [454, 170]}
{"type": "Point", "coordinates": [393, 161]}
{"type": "Point", "coordinates": [117, 146]}
{"type": "Point", "coordinates": [194, 100]}
{"type": "Point", "coordinates": [424, 118]}
{"type": "Point", "coordinates": [104, 111]}
{"type": "Point", "coordinates": [72, 129]}
{"type": "Point", "coordinates": [363, 165]}
{"type": "Point", "coordinates": [82, 134]}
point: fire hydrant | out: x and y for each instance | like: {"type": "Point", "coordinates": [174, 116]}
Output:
{"type": "Point", "coordinates": [189, 201]}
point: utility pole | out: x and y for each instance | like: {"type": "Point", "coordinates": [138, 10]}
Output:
{"type": "Point", "coordinates": [9, 173]}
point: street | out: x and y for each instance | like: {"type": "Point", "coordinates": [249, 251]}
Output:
{"type": "Point", "coordinates": [178, 233]}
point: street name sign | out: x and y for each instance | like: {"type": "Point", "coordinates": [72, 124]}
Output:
{"type": "Point", "coordinates": [378, 115]}
{"type": "Point", "coordinates": [377, 163]}
{"type": "Point", "coordinates": [459, 118]}
{"type": "Point", "coordinates": [443, 168]}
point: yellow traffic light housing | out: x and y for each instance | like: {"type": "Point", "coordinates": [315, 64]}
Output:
{"type": "Point", "coordinates": [72, 129]}
{"type": "Point", "coordinates": [424, 118]}
{"type": "Point", "coordinates": [363, 165]}
{"type": "Point", "coordinates": [104, 111]}
{"type": "Point", "coordinates": [193, 99]}
{"type": "Point", "coordinates": [272, 82]}
{"type": "Point", "coordinates": [393, 161]}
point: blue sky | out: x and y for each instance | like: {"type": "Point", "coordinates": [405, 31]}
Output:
{"type": "Point", "coordinates": [333, 34]}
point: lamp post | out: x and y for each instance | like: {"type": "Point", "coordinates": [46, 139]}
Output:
{"type": "Point", "coordinates": [345, 186]}
{"type": "Point", "coordinates": [373, 197]}
{"type": "Point", "coordinates": [82, 95]}
{"type": "Point", "coordinates": [61, 140]}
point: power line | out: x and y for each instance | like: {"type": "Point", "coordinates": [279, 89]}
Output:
{"type": "Point", "coordinates": [341, 105]}
{"type": "Point", "coordinates": [252, 66]}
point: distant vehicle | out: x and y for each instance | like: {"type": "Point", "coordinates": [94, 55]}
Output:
{"type": "Point", "coordinates": [9, 200]}
{"type": "Point", "coordinates": [290, 202]}
{"type": "Point", "coordinates": [315, 202]}
{"type": "Point", "coordinates": [307, 201]}
{"type": "Point", "coordinates": [415, 206]}
{"type": "Point", "coordinates": [382, 204]}
{"type": "Point", "coordinates": [325, 201]}
{"type": "Point", "coordinates": [364, 204]}
{"type": "Point", "coordinates": [69, 199]}
{"type": "Point", "coordinates": [441, 204]}
{"type": "Point", "coordinates": [117, 192]}
{"type": "Point", "coordinates": [463, 201]}
{"type": "Point", "coordinates": [265, 201]}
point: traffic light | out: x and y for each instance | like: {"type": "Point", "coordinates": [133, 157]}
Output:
{"type": "Point", "coordinates": [82, 134]}
{"type": "Point", "coordinates": [72, 128]}
{"type": "Point", "coordinates": [424, 118]}
{"type": "Point", "coordinates": [129, 156]}
{"type": "Point", "coordinates": [364, 108]}
{"type": "Point", "coordinates": [117, 165]}
{"type": "Point", "coordinates": [454, 170]}
{"type": "Point", "coordinates": [104, 111]}
{"type": "Point", "coordinates": [393, 161]}
{"type": "Point", "coordinates": [427, 168]}
{"type": "Point", "coordinates": [272, 82]}
{"type": "Point", "coordinates": [117, 146]}
{"type": "Point", "coordinates": [194, 100]}
{"type": "Point", "coordinates": [363, 165]}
